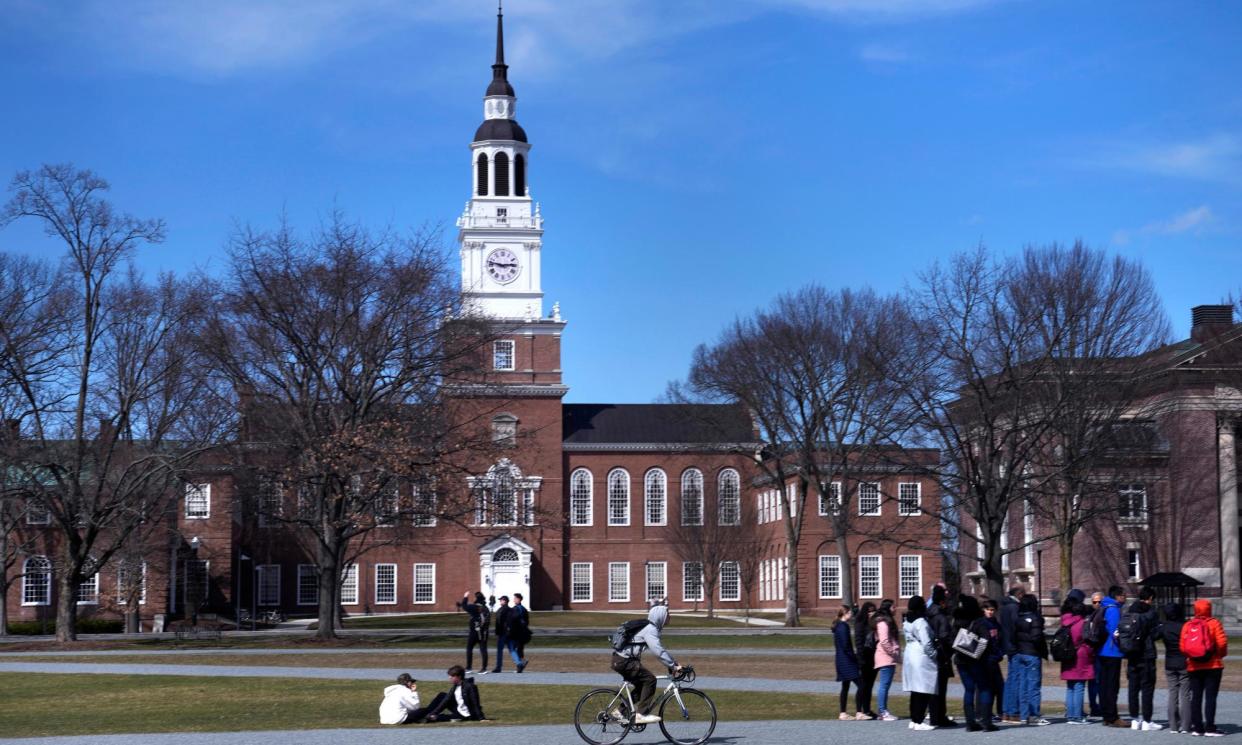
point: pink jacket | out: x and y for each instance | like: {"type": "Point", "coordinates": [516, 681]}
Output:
{"type": "Point", "coordinates": [1082, 668]}
{"type": "Point", "coordinates": [887, 650]}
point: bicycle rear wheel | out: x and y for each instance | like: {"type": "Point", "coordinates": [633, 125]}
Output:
{"type": "Point", "coordinates": [602, 717]}
{"type": "Point", "coordinates": [692, 721]}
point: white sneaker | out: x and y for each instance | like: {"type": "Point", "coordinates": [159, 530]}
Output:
{"type": "Point", "coordinates": [1152, 727]}
{"type": "Point", "coordinates": [646, 719]}
{"type": "Point", "coordinates": [910, 725]}
{"type": "Point", "coordinates": [923, 727]}
{"type": "Point", "coordinates": [887, 717]}
{"type": "Point", "coordinates": [1136, 724]}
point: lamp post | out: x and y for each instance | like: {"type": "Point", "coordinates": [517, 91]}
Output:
{"type": "Point", "coordinates": [237, 590]}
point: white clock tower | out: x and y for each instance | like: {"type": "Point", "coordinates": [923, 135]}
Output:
{"type": "Point", "coordinates": [501, 230]}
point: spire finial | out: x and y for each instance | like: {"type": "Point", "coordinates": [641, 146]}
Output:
{"type": "Point", "coordinates": [500, 32]}
{"type": "Point", "coordinates": [500, 71]}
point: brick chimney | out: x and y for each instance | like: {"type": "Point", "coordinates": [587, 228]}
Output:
{"type": "Point", "coordinates": [1209, 320]}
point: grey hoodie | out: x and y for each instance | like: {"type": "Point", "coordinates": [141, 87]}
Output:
{"type": "Point", "coordinates": [649, 637]}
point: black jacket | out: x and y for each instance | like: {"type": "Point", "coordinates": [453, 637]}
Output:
{"type": "Point", "coordinates": [1007, 617]}
{"type": "Point", "coordinates": [502, 620]}
{"type": "Point", "coordinates": [1151, 629]}
{"type": "Point", "coordinates": [1029, 635]}
{"type": "Point", "coordinates": [470, 695]}
{"type": "Point", "coordinates": [943, 632]}
{"type": "Point", "coordinates": [519, 624]}
{"type": "Point", "coordinates": [1171, 635]}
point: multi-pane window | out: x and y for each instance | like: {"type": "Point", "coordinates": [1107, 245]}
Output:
{"type": "Point", "coordinates": [197, 501]}
{"type": "Point", "coordinates": [869, 578]}
{"type": "Point", "coordinates": [196, 582]}
{"type": "Point", "coordinates": [909, 575]}
{"type": "Point", "coordinates": [1134, 563]}
{"type": "Point", "coordinates": [502, 354]}
{"type": "Point", "coordinates": [385, 584]}
{"type": "Point", "coordinates": [656, 493]}
{"type": "Point", "coordinates": [829, 577]}
{"type": "Point", "coordinates": [131, 582]}
{"type": "Point", "coordinates": [388, 504]}
{"type": "Point", "coordinates": [308, 584]}
{"type": "Point", "coordinates": [307, 504]}
{"type": "Point", "coordinates": [580, 582]}
{"type": "Point", "coordinates": [424, 583]}
{"type": "Point", "coordinates": [657, 580]}
{"type": "Point", "coordinates": [618, 497]}
{"type": "Point", "coordinates": [730, 581]}
{"type": "Point", "coordinates": [269, 584]}
{"type": "Point", "coordinates": [37, 512]}
{"type": "Point", "coordinates": [580, 486]}
{"type": "Point", "coordinates": [37, 581]}
{"type": "Point", "coordinates": [504, 500]}
{"type": "Point", "coordinates": [868, 498]}
{"type": "Point", "coordinates": [692, 581]}
{"type": "Point", "coordinates": [909, 499]}
{"type": "Point", "coordinates": [349, 585]}
{"type": "Point", "coordinates": [619, 582]}
{"type": "Point", "coordinates": [270, 502]}
{"type": "Point", "coordinates": [692, 497]}
{"type": "Point", "coordinates": [88, 591]}
{"type": "Point", "coordinates": [1132, 503]}
{"type": "Point", "coordinates": [424, 505]}
{"type": "Point", "coordinates": [830, 502]}
{"type": "Point", "coordinates": [729, 488]}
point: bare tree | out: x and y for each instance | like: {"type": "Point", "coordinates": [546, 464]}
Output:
{"type": "Point", "coordinates": [111, 405]}
{"type": "Point", "coordinates": [342, 347]}
{"type": "Point", "coordinates": [711, 544]}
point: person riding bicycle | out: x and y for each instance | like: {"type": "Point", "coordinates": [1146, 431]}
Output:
{"type": "Point", "coordinates": [628, 662]}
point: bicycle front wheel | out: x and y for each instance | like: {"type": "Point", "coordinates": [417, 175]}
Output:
{"type": "Point", "coordinates": [690, 720]}
{"type": "Point", "coordinates": [602, 717]}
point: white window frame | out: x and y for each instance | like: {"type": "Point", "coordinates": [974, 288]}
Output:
{"type": "Point", "coordinates": [863, 562]}
{"type": "Point", "coordinates": [586, 518]}
{"type": "Point", "coordinates": [653, 499]}
{"type": "Point", "coordinates": [91, 586]}
{"type": "Point", "coordinates": [904, 562]}
{"type": "Point", "coordinates": [688, 476]}
{"type": "Point", "coordinates": [614, 518]}
{"type": "Point", "coordinates": [395, 590]}
{"type": "Point", "coordinates": [425, 502]}
{"type": "Point", "coordinates": [424, 582]}
{"type": "Point", "coordinates": [657, 578]}
{"type": "Point", "coordinates": [498, 355]}
{"type": "Point", "coordinates": [388, 504]}
{"type": "Point", "coordinates": [576, 582]}
{"type": "Point", "coordinates": [305, 570]}
{"type": "Point", "coordinates": [264, 587]}
{"type": "Point", "coordinates": [902, 510]}
{"type": "Point", "coordinates": [46, 584]}
{"type": "Point", "coordinates": [270, 493]}
{"type": "Point", "coordinates": [689, 571]}
{"type": "Point", "coordinates": [830, 503]}
{"type": "Point", "coordinates": [1140, 519]}
{"type": "Point", "coordinates": [613, 576]}
{"type": "Point", "coordinates": [737, 582]}
{"type": "Point", "coordinates": [350, 585]}
{"type": "Point", "coordinates": [1134, 560]}
{"type": "Point", "coordinates": [879, 499]}
{"type": "Point", "coordinates": [33, 505]}
{"type": "Point", "coordinates": [202, 491]}
{"type": "Point", "coordinates": [735, 507]}
{"type": "Point", "coordinates": [121, 595]}
{"type": "Point", "coordinates": [828, 564]}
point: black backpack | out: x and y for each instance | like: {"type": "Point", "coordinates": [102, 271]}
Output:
{"type": "Point", "coordinates": [1062, 647]}
{"type": "Point", "coordinates": [1132, 633]}
{"type": "Point", "coordinates": [625, 633]}
{"type": "Point", "coordinates": [1095, 628]}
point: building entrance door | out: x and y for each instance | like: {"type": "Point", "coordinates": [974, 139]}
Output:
{"type": "Point", "coordinates": [504, 563]}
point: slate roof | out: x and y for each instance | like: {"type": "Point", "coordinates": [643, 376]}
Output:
{"type": "Point", "coordinates": [649, 424]}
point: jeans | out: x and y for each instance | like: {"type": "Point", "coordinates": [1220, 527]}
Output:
{"type": "Point", "coordinates": [516, 651]}
{"type": "Point", "coordinates": [1010, 683]}
{"type": "Point", "coordinates": [1141, 681]}
{"type": "Point", "coordinates": [1179, 700]}
{"type": "Point", "coordinates": [1204, 686]}
{"type": "Point", "coordinates": [972, 692]}
{"type": "Point", "coordinates": [1110, 685]}
{"type": "Point", "coordinates": [885, 674]}
{"type": "Point", "coordinates": [1073, 699]}
{"type": "Point", "coordinates": [1026, 671]}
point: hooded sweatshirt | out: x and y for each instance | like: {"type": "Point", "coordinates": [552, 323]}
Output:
{"type": "Point", "coordinates": [649, 637]}
{"type": "Point", "coordinates": [398, 701]}
{"type": "Point", "coordinates": [1203, 609]}
{"type": "Point", "coordinates": [1151, 628]}
{"type": "Point", "coordinates": [1112, 617]}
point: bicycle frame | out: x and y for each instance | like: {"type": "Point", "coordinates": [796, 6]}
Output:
{"type": "Point", "coordinates": [671, 687]}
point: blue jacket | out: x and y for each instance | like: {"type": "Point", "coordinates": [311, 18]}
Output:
{"type": "Point", "coordinates": [1112, 617]}
{"type": "Point", "coordinates": [845, 659]}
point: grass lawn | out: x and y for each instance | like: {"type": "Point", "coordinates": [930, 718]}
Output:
{"type": "Point", "coordinates": [113, 704]}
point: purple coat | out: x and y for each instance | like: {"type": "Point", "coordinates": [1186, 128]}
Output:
{"type": "Point", "coordinates": [1083, 667]}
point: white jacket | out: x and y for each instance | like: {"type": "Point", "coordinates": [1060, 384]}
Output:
{"type": "Point", "coordinates": [398, 702]}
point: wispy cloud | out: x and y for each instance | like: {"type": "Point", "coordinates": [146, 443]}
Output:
{"type": "Point", "coordinates": [1192, 220]}
{"type": "Point", "coordinates": [1216, 157]}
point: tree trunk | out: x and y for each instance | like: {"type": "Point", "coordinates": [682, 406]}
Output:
{"type": "Point", "coordinates": [847, 575]}
{"type": "Point", "coordinates": [1067, 563]}
{"type": "Point", "coordinates": [4, 610]}
{"type": "Point", "coordinates": [67, 606]}
{"type": "Point", "coordinates": [994, 578]}
{"type": "Point", "coordinates": [791, 585]}
{"type": "Point", "coordinates": [329, 577]}
{"type": "Point", "coordinates": [132, 619]}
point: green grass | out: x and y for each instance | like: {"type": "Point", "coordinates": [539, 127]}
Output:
{"type": "Point", "coordinates": [113, 704]}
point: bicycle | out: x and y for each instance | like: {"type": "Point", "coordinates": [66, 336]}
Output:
{"type": "Point", "coordinates": [604, 716]}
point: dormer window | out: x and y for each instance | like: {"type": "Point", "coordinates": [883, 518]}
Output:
{"type": "Point", "coordinates": [502, 354]}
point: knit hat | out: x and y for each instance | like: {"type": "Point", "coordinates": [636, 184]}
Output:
{"type": "Point", "coordinates": [1076, 594]}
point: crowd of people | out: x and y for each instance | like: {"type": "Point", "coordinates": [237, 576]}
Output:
{"type": "Point", "coordinates": [973, 636]}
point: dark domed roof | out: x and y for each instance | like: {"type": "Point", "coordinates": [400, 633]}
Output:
{"type": "Point", "coordinates": [500, 129]}
{"type": "Point", "coordinates": [499, 87]}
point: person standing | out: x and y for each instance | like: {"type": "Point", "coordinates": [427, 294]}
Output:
{"type": "Point", "coordinates": [1027, 663]}
{"type": "Point", "coordinates": [1008, 618]}
{"type": "Point", "coordinates": [502, 632]}
{"type": "Point", "coordinates": [887, 655]}
{"type": "Point", "coordinates": [866, 660]}
{"type": "Point", "coordinates": [1175, 668]}
{"type": "Point", "coordinates": [1110, 658]}
{"type": "Point", "coordinates": [1139, 645]}
{"type": "Point", "coordinates": [1081, 670]}
{"type": "Point", "coordinates": [943, 631]}
{"type": "Point", "coordinates": [477, 629]}
{"type": "Point", "coordinates": [519, 632]}
{"type": "Point", "coordinates": [1093, 685]}
{"type": "Point", "coordinates": [988, 669]}
{"type": "Point", "coordinates": [846, 660]}
{"type": "Point", "coordinates": [976, 703]}
{"type": "Point", "coordinates": [1205, 645]}
{"type": "Point", "coordinates": [918, 671]}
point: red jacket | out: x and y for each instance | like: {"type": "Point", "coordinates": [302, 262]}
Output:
{"type": "Point", "coordinates": [1203, 609]}
{"type": "Point", "coordinates": [1083, 666]}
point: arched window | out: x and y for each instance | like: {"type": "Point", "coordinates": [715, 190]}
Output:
{"type": "Point", "coordinates": [729, 493]}
{"type": "Point", "coordinates": [656, 492]}
{"type": "Point", "coordinates": [502, 174]}
{"type": "Point", "coordinates": [481, 176]}
{"type": "Point", "coordinates": [692, 497]}
{"type": "Point", "coordinates": [504, 555]}
{"type": "Point", "coordinates": [37, 581]}
{"type": "Point", "coordinates": [618, 497]}
{"type": "Point", "coordinates": [580, 495]}
{"type": "Point", "coordinates": [504, 498]}
{"type": "Point", "coordinates": [519, 175]}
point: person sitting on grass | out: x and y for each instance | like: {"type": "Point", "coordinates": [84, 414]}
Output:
{"type": "Point", "coordinates": [459, 703]}
{"type": "Point", "coordinates": [400, 701]}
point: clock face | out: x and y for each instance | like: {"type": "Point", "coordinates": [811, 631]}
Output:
{"type": "Point", "coordinates": [502, 265]}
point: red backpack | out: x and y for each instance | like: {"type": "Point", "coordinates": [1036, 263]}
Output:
{"type": "Point", "coordinates": [1198, 642]}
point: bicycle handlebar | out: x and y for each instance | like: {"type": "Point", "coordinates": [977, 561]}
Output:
{"type": "Point", "coordinates": [685, 675]}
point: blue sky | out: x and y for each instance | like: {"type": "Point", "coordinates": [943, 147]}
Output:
{"type": "Point", "coordinates": [693, 159]}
